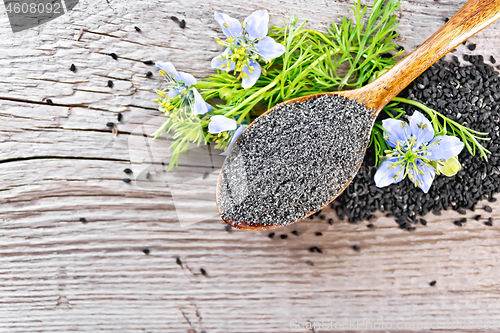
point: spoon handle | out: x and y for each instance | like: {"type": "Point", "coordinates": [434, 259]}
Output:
{"type": "Point", "coordinates": [474, 16]}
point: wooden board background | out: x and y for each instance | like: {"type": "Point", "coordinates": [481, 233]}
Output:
{"type": "Point", "coordinates": [60, 162]}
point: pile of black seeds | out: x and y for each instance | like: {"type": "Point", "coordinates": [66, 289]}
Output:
{"type": "Point", "coordinates": [468, 94]}
{"type": "Point", "coordinates": [294, 160]}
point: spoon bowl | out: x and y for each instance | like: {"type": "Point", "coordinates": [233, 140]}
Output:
{"type": "Point", "coordinates": [474, 16]}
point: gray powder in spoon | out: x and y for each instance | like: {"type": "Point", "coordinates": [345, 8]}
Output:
{"type": "Point", "coordinates": [294, 160]}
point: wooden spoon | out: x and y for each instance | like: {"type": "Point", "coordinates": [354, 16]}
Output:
{"type": "Point", "coordinates": [474, 16]}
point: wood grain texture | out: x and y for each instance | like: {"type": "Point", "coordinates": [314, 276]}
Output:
{"type": "Point", "coordinates": [60, 162]}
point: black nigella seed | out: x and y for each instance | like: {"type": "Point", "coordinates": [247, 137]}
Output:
{"type": "Point", "coordinates": [457, 223]}
{"type": "Point", "coordinates": [119, 117]}
{"type": "Point", "coordinates": [412, 229]}
{"type": "Point", "coordinates": [315, 249]}
{"type": "Point", "coordinates": [423, 222]}
{"type": "Point", "coordinates": [227, 227]}
{"type": "Point", "coordinates": [49, 101]}
{"type": "Point", "coordinates": [283, 236]}
{"type": "Point", "coordinates": [114, 56]}
{"type": "Point", "coordinates": [148, 62]}
{"type": "Point", "coordinates": [72, 68]}
{"type": "Point", "coordinates": [174, 18]}
{"type": "Point", "coordinates": [110, 124]}
{"type": "Point", "coordinates": [432, 283]}
{"type": "Point", "coordinates": [83, 220]}
{"type": "Point", "coordinates": [127, 170]}
{"type": "Point", "coordinates": [149, 73]}
{"type": "Point", "coordinates": [492, 60]}
{"type": "Point", "coordinates": [178, 261]}
{"type": "Point", "coordinates": [463, 220]}
{"type": "Point", "coordinates": [319, 234]}
{"type": "Point", "coordinates": [436, 212]}
{"type": "Point", "coordinates": [488, 209]}
{"type": "Point", "coordinates": [182, 24]}
{"type": "Point", "coordinates": [137, 29]}
{"type": "Point", "coordinates": [370, 225]}
{"type": "Point", "coordinates": [466, 57]}
{"type": "Point", "coordinates": [310, 263]}
{"type": "Point", "coordinates": [146, 251]}
{"type": "Point", "coordinates": [271, 235]}
{"type": "Point", "coordinates": [446, 19]}
{"type": "Point", "coordinates": [311, 217]}
{"type": "Point", "coordinates": [471, 47]}
{"type": "Point", "coordinates": [295, 232]}
{"type": "Point", "coordinates": [477, 217]}
{"type": "Point", "coordinates": [319, 250]}
{"type": "Point", "coordinates": [110, 84]}
{"type": "Point", "coordinates": [203, 272]}
{"type": "Point", "coordinates": [356, 248]}
{"type": "Point", "coordinates": [322, 217]}
{"type": "Point", "coordinates": [126, 180]}
{"type": "Point", "coordinates": [461, 211]}
{"type": "Point", "coordinates": [330, 221]}
{"type": "Point", "coordinates": [489, 222]}
{"type": "Point", "coordinates": [492, 199]}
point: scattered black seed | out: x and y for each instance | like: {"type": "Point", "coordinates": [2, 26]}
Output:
{"type": "Point", "coordinates": [126, 180]}
{"type": "Point", "coordinates": [423, 222]}
{"type": "Point", "coordinates": [488, 209]}
{"type": "Point", "coordinates": [457, 223]}
{"type": "Point", "coordinates": [464, 42]}
{"type": "Point", "coordinates": [178, 261]}
{"type": "Point", "coordinates": [148, 62]}
{"type": "Point", "coordinates": [83, 220]}
{"type": "Point", "coordinates": [49, 101]}
{"type": "Point", "coordinates": [356, 248]}
{"type": "Point", "coordinates": [461, 211]}
{"type": "Point", "coordinates": [174, 18]}
{"type": "Point", "coordinates": [315, 249]}
{"type": "Point", "coordinates": [311, 217]}
{"type": "Point", "coordinates": [228, 227]}
{"type": "Point", "coordinates": [149, 73]}
{"type": "Point", "coordinates": [271, 235]}
{"type": "Point", "coordinates": [114, 56]}
{"type": "Point", "coordinates": [310, 263]}
{"type": "Point", "coordinates": [489, 222]}
{"type": "Point", "coordinates": [284, 236]}
{"type": "Point", "coordinates": [477, 217]}
{"type": "Point", "coordinates": [471, 47]}
{"type": "Point", "coordinates": [203, 272]}
{"type": "Point", "coordinates": [119, 117]}
{"type": "Point", "coordinates": [436, 212]}
{"type": "Point", "coordinates": [295, 232]}
{"type": "Point", "coordinates": [137, 29]}
{"type": "Point", "coordinates": [446, 19]}
{"type": "Point", "coordinates": [337, 136]}
{"type": "Point", "coordinates": [370, 225]}
{"type": "Point", "coordinates": [148, 175]}
{"type": "Point", "coordinates": [110, 124]}
{"type": "Point", "coordinates": [463, 220]}
{"type": "Point", "coordinates": [182, 24]}
{"type": "Point", "coordinates": [110, 84]}
{"type": "Point", "coordinates": [319, 234]}
{"type": "Point", "coordinates": [322, 217]}
{"type": "Point", "coordinates": [146, 251]}
{"type": "Point", "coordinates": [432, 283]}
{"type": "Point", "coordinates": [127, 171]}
{"type": "Point", "coordinates": [72, 68]}
{"type": "Point", "coordinates": [412, 228]}
{"type": "Point", "coordinates": [492, 199]}
{"type": "Point", "coordinates": [492, 60]}
{"type": "Point", "coordinates": [330, 221]}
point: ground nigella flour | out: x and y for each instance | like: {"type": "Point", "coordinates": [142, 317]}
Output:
{"type": "Point", "coordinates": [294, 160]}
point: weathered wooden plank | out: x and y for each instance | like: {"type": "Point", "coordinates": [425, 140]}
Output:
{"type": "Point", "coordinates": [60, 162]}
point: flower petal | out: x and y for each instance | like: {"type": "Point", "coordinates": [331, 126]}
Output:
{"type": "Point", "coordinates": [235, 136]}
{"type": "Point", "coordinates": [422, 175]}
{"type": "Point", "coordinates": [395, 130]}
{"type": "Point", "coordinates": [169, 68]}
{"type": "Point", "coordinates": [256, 24]}
{"type": "Point", "coordinates": [188, 79]}
{"type": "Point", "coordinates": [173, 92]}
{"type": "Point", "coordinates": [387, 174]}
{"type": "Point", "coordinates": [209, 107]}
{"type": "Point", "coordinates": [200, 107]}
{"type": "Point", "coordinates": [444, 147]}
{"type": "Point", "coordinates": [252, 77]}
{"type": "Point", "coordinates": [220, 60]}
{"type": "Point", "coordinates": [421, 129]}
{"type": "Point", "coordinates": [231, 27]}
{"type": "Point", "coordinates": [269, 49]}
{"type": "Point", "coordinates": [220, 123]}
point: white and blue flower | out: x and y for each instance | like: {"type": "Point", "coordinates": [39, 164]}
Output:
{"type": "Point", "coordinates": [414, 149]}
{"type": "Point", "coordinates": [181, 92]}
{"type": "Point", "coordinates": [246, 43]}
{"type": "Point", "coordinates": [225, 128]}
